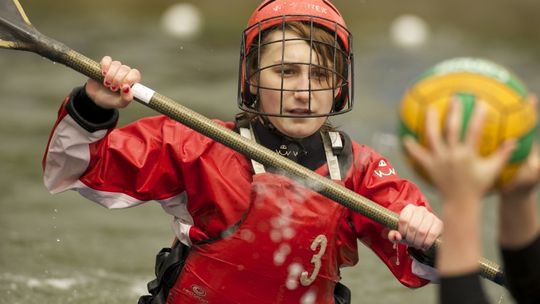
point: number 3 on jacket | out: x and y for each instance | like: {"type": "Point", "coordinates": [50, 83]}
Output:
{"type": "Point", "coordinates": [320, 243]}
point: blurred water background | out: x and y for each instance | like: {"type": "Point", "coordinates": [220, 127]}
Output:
{"type": "Point", "coordinates": [65, 249]}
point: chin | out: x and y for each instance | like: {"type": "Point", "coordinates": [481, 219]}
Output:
{"type": "Point", "coordinates": [298, 131]}
{"type": "Point", "coordinates": [297, 127]}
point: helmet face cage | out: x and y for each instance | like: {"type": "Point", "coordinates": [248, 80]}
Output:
{"type": "Point", "coordinates": [329, 66]}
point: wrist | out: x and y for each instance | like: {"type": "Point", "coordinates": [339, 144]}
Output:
{"type": "Point", "coordinates": [89, 115]}
{"type": "Point", "coordinates": [460, 249]}
{"type": "Point", "coordinates": [461, 202]}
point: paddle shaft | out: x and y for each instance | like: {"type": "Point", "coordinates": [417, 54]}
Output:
{"type": "Point", "coordinates": [60, 53]}
{"type": "Point", "coordinates": [233, 140]}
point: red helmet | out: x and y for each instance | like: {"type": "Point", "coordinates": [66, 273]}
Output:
{"type": "Point", "coordinates": [322, 14]}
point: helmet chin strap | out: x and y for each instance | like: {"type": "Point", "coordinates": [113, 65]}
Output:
{"type": "Point", "coordinates": [267, 124]}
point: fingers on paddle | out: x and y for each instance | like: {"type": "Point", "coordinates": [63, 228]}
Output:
{"type": "Point", "coordinates": [404, 220]}
{"type": "Point", "coordinates": [434, 231]}
{"type": "Point", "coordinates": [119, 77]}
{"type": "Point", "coordinates": [394, 236]}
{"type": "Point", "coordinates": [419, 227]}
{"type": "Point", "coordinates": [105, 64]}
{"type": "Point", "coordinates": [132, 77]}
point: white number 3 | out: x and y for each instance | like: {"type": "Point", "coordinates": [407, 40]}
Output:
{"type": "Point", "coordinates": [319, 242]}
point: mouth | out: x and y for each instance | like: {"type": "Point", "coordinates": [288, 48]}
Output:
{"type": "Point", "coordinates": [300, 112]}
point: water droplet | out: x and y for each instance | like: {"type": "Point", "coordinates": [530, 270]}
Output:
{"type": "Point", "coordinates": [309, 297]}
{"type": "Point", "coordinates": [281, 254]}
{"type": "Point", "coordinates": [247, 235]}
{"type": "Point", "coordinates": [288, 233]}
{"type": "Point", "coordinates": [295, 269]}
{"type": "Point", "coordinates": [294, 272]}
{"type": "Point", "coordinates": [396, 247]}
{"type": "Point", "coordinates": [275, 235]}
{"type": "Point", "coordinates": [291, 284]}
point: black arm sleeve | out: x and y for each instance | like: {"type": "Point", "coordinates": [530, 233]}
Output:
{"type": "Point", "coordinates": [464, 289]}
{"type": "Point", "coordinates": [89, 115]}
{"type": "Point", "coordinates": [522, 270]}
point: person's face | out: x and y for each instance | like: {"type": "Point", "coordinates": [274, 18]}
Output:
{"type": "Point", "coordinates": [298, 97]}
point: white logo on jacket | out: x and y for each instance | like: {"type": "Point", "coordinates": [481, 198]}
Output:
{"type": "Point", "coordinates": [388, 172]}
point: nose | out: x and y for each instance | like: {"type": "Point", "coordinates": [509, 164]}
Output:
{"type": "Point", "coordinates": [302, 89]}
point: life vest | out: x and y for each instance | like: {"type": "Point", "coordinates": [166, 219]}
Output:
{"type": "Point", "coordinates": [283, 251]}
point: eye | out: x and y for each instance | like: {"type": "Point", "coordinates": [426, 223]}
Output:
{"type": "Point", "coordinates": [320, 73]}
{"type": "Point", "coordinates": [285, 70]}
{"type": "Point", "coordinates": [288, 71]}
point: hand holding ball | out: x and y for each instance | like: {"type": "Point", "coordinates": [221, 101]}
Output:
{"type": "Point", "coordinates": [510, 114]}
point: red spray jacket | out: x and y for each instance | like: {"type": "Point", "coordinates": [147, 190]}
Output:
{"type": "Point", "coordinates": [209, 187]}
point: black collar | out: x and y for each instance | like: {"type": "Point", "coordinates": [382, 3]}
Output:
{"type": "Point", "coordinates": [308, 152]}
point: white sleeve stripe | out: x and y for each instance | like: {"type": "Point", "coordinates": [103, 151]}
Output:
{"type": "Point", "coordinates": [183, 221]}
{"type": "Point", "coordinates": [424, 271]}
{"type": "Point", "coordinates": [176, 206]}
{"type": "Point", "coordinates": [181, 231]}
{"type": "Point", "coordinates": [68, 155]}
{"type": "Point", "coordinates": [107, 199]}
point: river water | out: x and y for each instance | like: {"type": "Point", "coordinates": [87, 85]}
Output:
{"type": "Point", "coordinates": [63, 249]}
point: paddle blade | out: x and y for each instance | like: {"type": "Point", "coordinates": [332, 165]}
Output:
{"type": "Point", "coordinates": [16, 31]}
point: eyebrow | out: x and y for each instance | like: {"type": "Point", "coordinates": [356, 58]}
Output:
{"type": "Point", "coordinates": [283, 62]}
